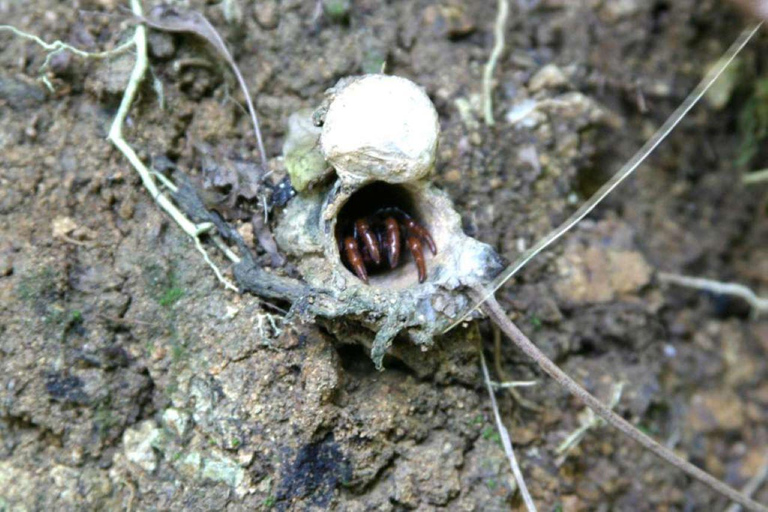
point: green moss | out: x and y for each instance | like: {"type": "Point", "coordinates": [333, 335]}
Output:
{"type": "Point", "coordinates": [647, 429]}
{"type": "Point", "coordinates": [269, 501]}
{"type": "Point", "coordinates": [172, 388]}
{"type": "Point", "coordinates": [104, 419]}
{"type": "Point", "coordinates": [55, 315]}
{"type": "Point", "coordinates": [40, 291]}
{"type": "Point", "coordinates": [178, 351]}
{"type": "Point", "coordinates": [490, 434]}
{"type": "Point", "coordinates": [337, 9]}
{"type": "Point", "coordinates": [753, 123]}
{"type": "Point", "coordinates": [163, 285]}
{"type": "Point", "coordinates": [302, 156]}
{"type": "Point", "coordinates": [38, 285]}
{"type": "Point", "coordinates": [373, 61]}
{"type": "Point", "coordinates": [171, 296]}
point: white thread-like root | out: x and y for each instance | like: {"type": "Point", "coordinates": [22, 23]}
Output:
{"type": "Point", "coordinates": [759, 304]}
{"type": "Point", "coordinates": [755, 177]}
{"type": "Point", "coordinates": [57, 47]}
{"type": "Point", "coordinates": [513, 384]}
{"type": "Point", "coordinates": [139, 41]}
{"type": "Point", "coordinates": [490, 66]}
{"type": "Point", "coordinates": [116, 137]}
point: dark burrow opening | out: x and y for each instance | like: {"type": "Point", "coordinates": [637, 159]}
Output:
{"type": "Point", "coordinates": [376, 204]}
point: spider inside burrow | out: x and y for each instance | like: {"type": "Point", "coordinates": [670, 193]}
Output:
{"type": "Point", "coordinates": [375, 226]}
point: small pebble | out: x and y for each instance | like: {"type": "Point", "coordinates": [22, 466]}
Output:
{"type": "Point", "coordinates": [161, 45]}
{"type": "Point", "coordinates": [267, 14]}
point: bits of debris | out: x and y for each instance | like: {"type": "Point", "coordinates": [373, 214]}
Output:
{"type": "Point", "coordinates": [548, 77]}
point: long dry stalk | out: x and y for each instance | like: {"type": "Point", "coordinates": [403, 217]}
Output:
{"type": "Point", "coordinates": [499, 317]}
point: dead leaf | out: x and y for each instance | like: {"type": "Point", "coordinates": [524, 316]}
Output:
{"type": "Point", "coordinates": [228, 179]}
{"type": "Point", "coordinates": [267, 241]}
{"type": "Point", "coordinates": [169, 19]}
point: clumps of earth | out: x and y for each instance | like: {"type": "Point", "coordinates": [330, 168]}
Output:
{"type": "Point", "coordinates": [129, 379]}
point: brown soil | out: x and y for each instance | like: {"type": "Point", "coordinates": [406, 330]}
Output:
{"type": "Point", "coordinates": [129, 378]}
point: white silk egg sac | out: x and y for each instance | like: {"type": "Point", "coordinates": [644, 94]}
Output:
{"type": "Point", "coordinates": [381, 127]}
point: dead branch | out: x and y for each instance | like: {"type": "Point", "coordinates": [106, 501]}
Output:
{"type": "Point", "coordinates": [499, 317]}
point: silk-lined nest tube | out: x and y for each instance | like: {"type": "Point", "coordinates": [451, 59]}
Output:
{"type": "Point", "coordinates": [367, 225]}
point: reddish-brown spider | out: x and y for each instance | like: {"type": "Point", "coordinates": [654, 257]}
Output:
{"type": "Point", "coordinates": [387, 229]}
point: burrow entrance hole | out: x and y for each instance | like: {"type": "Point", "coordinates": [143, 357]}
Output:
{"type": "Point", "coordinates": [374, 203]}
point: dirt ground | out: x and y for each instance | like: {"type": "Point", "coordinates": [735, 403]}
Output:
{"type": "Point", "coordinates": [131, 379]}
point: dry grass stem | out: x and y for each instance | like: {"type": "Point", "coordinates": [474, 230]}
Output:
{"type": "Point", "coordinates": [499, 316]}
{"type": "Point", "coordinates": [623, 173]}
{"type": "Point", "coordinates": [505, 441]}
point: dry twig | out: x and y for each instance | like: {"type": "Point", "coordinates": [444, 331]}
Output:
{"type": "Point", "coordinates": [517, 397]}
{"type": "Point", "coordinates": [505, 441]}
{"type": "Point", "coordinates": [139, 41]}
{"type": "Point", "coordinates": [499, 316]}
{"type": "Point", "coordinates": [623, 173]}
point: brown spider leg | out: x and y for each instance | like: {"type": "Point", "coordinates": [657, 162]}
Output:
{"type": "Point", "coordinates": [363, 230]}
{"type": "Point", "coordinates": [367, 260]}
{"type": "Point", "coordinates": [417, 251]}
{"type": "Point", "coordinates": [355, 259]}
{"type": "Point", "coordinates": [412, 226]}
{"type": "Point", "coordinates": [392, 241]}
